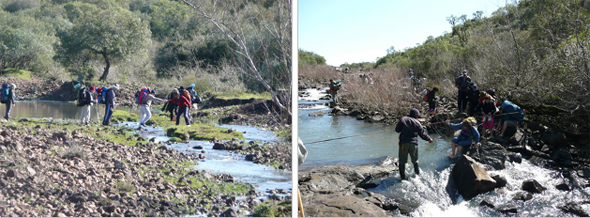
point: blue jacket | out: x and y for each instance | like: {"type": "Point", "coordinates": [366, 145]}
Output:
{"type": "Point", "coordinates": [474, 132]}
{"type": "Point", "coordinates": [409, 129]}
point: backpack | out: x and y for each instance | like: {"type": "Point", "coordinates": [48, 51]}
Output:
{"type": "Point", "coordinates": [193, 95]}
{"type": "Point", "coordinates": [102, 96]}
{"type": "Point", "coordinates": [5, 95]}
{"type": "Point", "coordinates": [425, 93]}
{"type": "Point", "coordinates": [335, 86]}
{"type": "Point", "coordinates": [141, 95]}
{"type": "Point", "coordinates": [81, 97]}
{"type": "Point", "coordinates": [515, 111]}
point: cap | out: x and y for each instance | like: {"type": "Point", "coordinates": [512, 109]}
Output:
{"type": "Point", "coordinates": [464, 71]}
{"type": "Point", "coordinates": [414, 113]}
{"type": "Point", "coordinates": [116, 86]}
{"type": "Point", "coordinates": [92, 88]}
{"type": "Point", "coordinates": [13, 86]}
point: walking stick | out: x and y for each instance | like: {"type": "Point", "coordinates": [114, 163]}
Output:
{"type": "Point", "coordinates": [301, 213]}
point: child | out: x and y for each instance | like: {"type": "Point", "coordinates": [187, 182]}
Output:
{"type": "Point", "coordinates": [465, 138]}
{"type": "Point", "coordinates": [431, 98]}
{"type": "Point", "coordinates": [488, 110]}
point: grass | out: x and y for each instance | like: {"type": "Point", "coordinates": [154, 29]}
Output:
{"type": "Point", "coordinates": [271, 209]}
{"type": "Point", "coordinates": [124, 187]}
{"type": "Point", "coordinates": [122, 115]}
{"type": "Point", "coordinates": [197, 130]}
{"type": "Point", "coordinates": [22, 74]}
{"type": "Point", "coordinates": [242, 95]}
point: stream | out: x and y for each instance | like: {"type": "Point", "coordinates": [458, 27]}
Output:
{"type": "Point", "coordinates": [428, 188]}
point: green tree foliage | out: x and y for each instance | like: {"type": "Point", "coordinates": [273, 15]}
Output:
{"type": "Point", "coordinates": [307, 58]}
{"type": "Point", "coordinates": [17, 5]}
{"type": "Point", "coordinates": [25, 43]}
{"type": "Point", "coordinates": [112, 34]}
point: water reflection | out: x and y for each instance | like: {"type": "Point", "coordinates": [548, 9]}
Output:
{"type": "Point", "coordinates": [56, 110]}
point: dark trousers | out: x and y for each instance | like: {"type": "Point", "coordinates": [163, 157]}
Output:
{"type": "Point", "coordinates": [108, 113]}
{"type": "Point", "coordinates": [404, 150]}
{"type": "Point", "coordinates": [472, 106]}
{"type": "Point", "coordinates": [182, 111]}
{"type": "Point", "coordinates": [462, 101]}
{"type": "Point", "coordinates": [8, 107]}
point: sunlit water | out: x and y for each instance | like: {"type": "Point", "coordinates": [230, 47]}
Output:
{"type": "Point", "coordinates": [429, 188]}
{"type": "Point", "coordinates": [56, 110]}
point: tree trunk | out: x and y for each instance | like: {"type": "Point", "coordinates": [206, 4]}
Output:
{"type": "Point", "coordinates": [105, 73]}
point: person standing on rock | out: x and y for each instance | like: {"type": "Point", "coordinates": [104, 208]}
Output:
{"type": "Point", "coordinates": [473, 99]}
{"type": "Point", "coordinates": [431, 99]}
{"type": "Point", "coordinates": [468, 136]}
{"type": "Point", "coordinates": [488, 110]}
{"type": "Point", "coordinates": [410, 128]}
{"type": "Point", "coordinates": [86, 108]}
{"type": "Point", "coordinates": [334, 87]}
{"type": "Point", "coordinates": [184, 105]}
{"type": "Point", "coordinates": [462, 83]}
{"type": "Point", "coordinates": [8, 97]}
{"type": "Point", "coordinates": [146, 114]}
{"type": "Point", "coordinates": [110, 104]}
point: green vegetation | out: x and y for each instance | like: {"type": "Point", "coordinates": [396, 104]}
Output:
{"type": "Point", "coordinates": [122, 115]}
{"type": "Point", "coordinates": [271, 209]}
{"type": "Point", "coordinates": [12, 72]}
{"type": "Point", "coordinates": [226, 95]}
{"type": "Point", "coordinates": [307, 58]}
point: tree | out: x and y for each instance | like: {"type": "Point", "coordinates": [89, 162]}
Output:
{"type": "Point", "coordinates": [113, 34]}
{"type": "Point", "coordinates": [261, 33]}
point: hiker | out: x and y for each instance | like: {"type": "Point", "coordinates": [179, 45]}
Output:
{"type": "Point", "coordinates": [7, 97]}
{"type": "Point", "coordinates": [462, 83]}
{"type": "Point", "coordinates": [511, 113]}
{"type": "Point", "coordinates": [171, 107]}
{"type": "Point", "coordinates": [110, 104]}
{"type": "Point", "coordinates": [184, 104]}
{"type": "Point", "coordinates": [488, 110]}
{"type": "Point", "coordinates": [334, 87]}
{"type": "Point", "coordinates": [468, 136]}
{"type": "Point", "coordinates": [473, 99]}
{"type": "Point", "coordinates": [85, 101]}
{"type": "Point", "coordinates": [409, 128]}
{"type": "Point", "coordinates": [144, 108]}
{"type": "Point", "coordinates": [195, 100]}
{"type": "Point", "coordinates": [431, 99]}
{"type": "Point", "coordinates": [410, 73]}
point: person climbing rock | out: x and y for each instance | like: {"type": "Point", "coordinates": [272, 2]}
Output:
{"type": "Point", "coordinates": [488, 110]}
{"type": "Point", "coordinates": [469, 135]}
{"type": "Point", "coordinates": [144, 108]}
{"type": "Point", "coordinates": [110, 104]}
{"type": "Point", "coordinates": [473, 99]}
{"type": "Point", "coordinates": [462, 83]}
{"type": "Point", "coordinates": [410, 128]}
{"type": "Point", "coordinates": [511, 113]}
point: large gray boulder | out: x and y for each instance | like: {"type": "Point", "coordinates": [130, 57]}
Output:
{"type": "Point", "coordinates": [470, 178]}
{"type": "Point", "coordinates": [490, 154]}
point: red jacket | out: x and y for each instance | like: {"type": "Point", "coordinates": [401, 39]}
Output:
{"type": "Point", "coordinates": [182, 102]}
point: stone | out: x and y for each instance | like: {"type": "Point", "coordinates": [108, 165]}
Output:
{"type": "Point", "coordinates": [77, 133]}
{"type": "Point", "coordinates": [317, 114]}
{"type": "Point", "coordinates": [574, 208]}
{"type": "Point", "coordinates": [500, 181]}
{"type": "Point", "coordinates": [219, 146]}
{"type": "Point", "coordinates": [522, 196]}
{"type": "Point", "coordinates": [489, 153]}
{"type": "Point", "coordinates": [470, 178]}
{"type": "Point", "coordinates": [198, 147]}
{"type": "Point", "coordinates": [563, 187]}
{"type": "Point", "coordinates": [507, 209]}
{"type": "Point", "coordinates": [532, 186]}
{"type": "Point", "coordinates": [155, 140]}
{"type": "Point", "coordinates": [487, 203]}
{"type": "Point", "coordinates": [31, 171]}
{"type": "Point", "coordinates": [77, 198]}
{"type": "Point", "coordinates": [120, 165]}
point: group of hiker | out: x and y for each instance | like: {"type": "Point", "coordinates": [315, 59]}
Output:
{"type": "Point", "coordinates": [178, 102]}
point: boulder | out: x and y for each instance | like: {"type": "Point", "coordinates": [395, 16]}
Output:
{"type": "Point", "coordinates": [574, 208]}
{"type": "Point", "coordinates": [489, 153]}
{"type": "Point", "coordinates": [198, 147]}
{"type": "Point", "coordinates": [532, 186]}
{"type": "Point", "coordinates": [522, 196]}
{"type": "Point", "coordinates": [229, 213]}
{"type": "Point", "coordinates": [219, 146]}
{"type": "Point", "coordinates": [563, 187]}
{"type": "Point", "coordinates": [487, 203]}
{"type": "Point", "coordinates": [500, 181]}
{"type": "Point", "coordinates": [470, 178]}
{"type": "Point", "coordinates": [155, 140]}
{"type": "Point", "coordinates": [507, 209]}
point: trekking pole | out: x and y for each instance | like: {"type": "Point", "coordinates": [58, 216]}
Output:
{"type": "Point", "coordinates": [301, 213]}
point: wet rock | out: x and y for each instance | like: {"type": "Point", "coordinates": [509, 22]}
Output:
{"type": "Point", "coordinates": [219, 146]}
{"type": "Point", "coordinates": [155, 140]}
{"type": "Point", "coordinates": [487, 203]}
{"type": "Point", "coordinates": [563, 187]}
{"type": "Point", "coordinates": [198, 147]}
{"type": "Point", "coordinates": [532, 186]}
{"type": "Point", "coordinates": [470, 178]}
{"type": "Point", "coordinates": [507, 209]}
{"type": "Point", "coordinates": [317, 114]}
{"type": "Point", "coordinates": [574, 208]}
{"type": "Point", "coordinates": [500, 181]}
{"type": "Point", "coordinates": [489, 153]}
{"type": "Point", "coordinates": [522, 196]}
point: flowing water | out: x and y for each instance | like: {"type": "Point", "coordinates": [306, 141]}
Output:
{"type": "Point", "coordinates": [217, 161]}
{"type": "Point", "coordinates": [429, 188]}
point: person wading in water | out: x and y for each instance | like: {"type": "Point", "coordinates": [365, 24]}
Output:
{"type": "Point", "coordinates": [410, 128]}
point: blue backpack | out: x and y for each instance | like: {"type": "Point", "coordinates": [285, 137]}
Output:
{"type": "Point", "coordinates": [515, 112]}
{"type": "Point", "coordinates": [5, 95]}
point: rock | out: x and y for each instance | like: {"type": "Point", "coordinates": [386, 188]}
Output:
{"type": "Point", "coordinates": [77, 133]}
{"type": "Point", "coordinates": [11, 173]}
{"type": "Point", "coordinates": [563, 187]}
{"type": "Point", "coordinates": [77, 198]}
{"type": "Point", "coordinates": [377, 118]}
{"type": "Point", "coordinates": [470, 178]}
{"type": "Point", "coordinates": [507, 209]}
{"type": "Point", "coordinates": [574, 208]}
{"type": "Point", "coordinates": [63, 136]}
{"type": "Point", "coordinates": [500, 181]}
{"type": "Point", "coordinates": [155, 140]}
{"type": "Point", "coordinates": [514, 157]}
{"type": "Point", "coordinates": [198, 147]}
{"type": "Point", "coordinates": [120, 165]}
{"type": "Point", "coordinates": [532, 186]}
{"type": "Point", "coordinates": [317, 114]}
{"type": "Point", "coordinates": [555, 139]}
{"type": "Point", "coordinates": [31, 171]}
{"type": "Point", "coordinates": [487, 203]}
{"type": "Point", "coordinates": [219, 146]}
{"type": "Point", "coordinates": [489, 153]}
{"type": "Point", "coordinates": [523, 196]}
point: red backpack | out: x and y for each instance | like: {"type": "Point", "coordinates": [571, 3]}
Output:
{"type": "Point", "coordinates": [425, 93]}
{"type": "Point", "coordinates": [141, 95]}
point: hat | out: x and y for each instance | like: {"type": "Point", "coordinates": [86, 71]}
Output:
{"type": "Point", "coordinates": [13, 86]}
{"type": "Point", "coordinates": [92, 88]}
{"type": "Point", "coordinates": [464, 71]}
{"type": "Point", "coordinates": [414, 113]}
{"type": "Point", "coordinates": [153, 91]}
{"type": "Point", "coordinates": [474, 87]}
{"type": "Point", "coordinates": [116, 86]}
{"type": "Point", "coordinates": [181, 87]}
{"type": "Point", "coordinates": [98, 89]}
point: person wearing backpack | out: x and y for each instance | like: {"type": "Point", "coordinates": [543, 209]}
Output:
{"type": "Point", "coordinates": [110, 104]}
{"type": "Point", "coordinates": [7, 97]}
{"type": "Point", "coordinates": [469, 135]}
{"type": "Point", "coordinates": [488, 110]}
{"type": "Point", "coordinates": [195, 100]}
{"type": "Point", "coordinates": [184, 105]}
{"type": "Point", "coordinates": [334, 87]}
{"type": "Point", "coordinates": [171, 107]}
{"type": "Point", "coordinates": [86, 104]}
{"type": "Point", "coordinates": [510, 113]}
{"type": "Point", "coordinates": [473, 99]}
{"type": "Point", "coordinates": [462, 83]}
{"type": "Point", "coordinates": [144, 108]}
{"type": "Point", "coordinates": [431, 99]}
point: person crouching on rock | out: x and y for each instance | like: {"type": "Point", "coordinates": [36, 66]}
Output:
{"type": "Point", "coordinates": [184, 105]}
{"type": "Point", "coordinates": [409, 128]}
{"type": "Point", "coordinates": [468, 135]}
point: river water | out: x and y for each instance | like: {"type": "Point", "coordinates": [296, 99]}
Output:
{"type": "Point", "coordinates": [217, 161]}
{"type": "Point", "coordinates": [427, 189]}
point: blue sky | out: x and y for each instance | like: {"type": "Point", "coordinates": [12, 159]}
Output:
{"type": "Point", "coordinates": [362, 30]}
